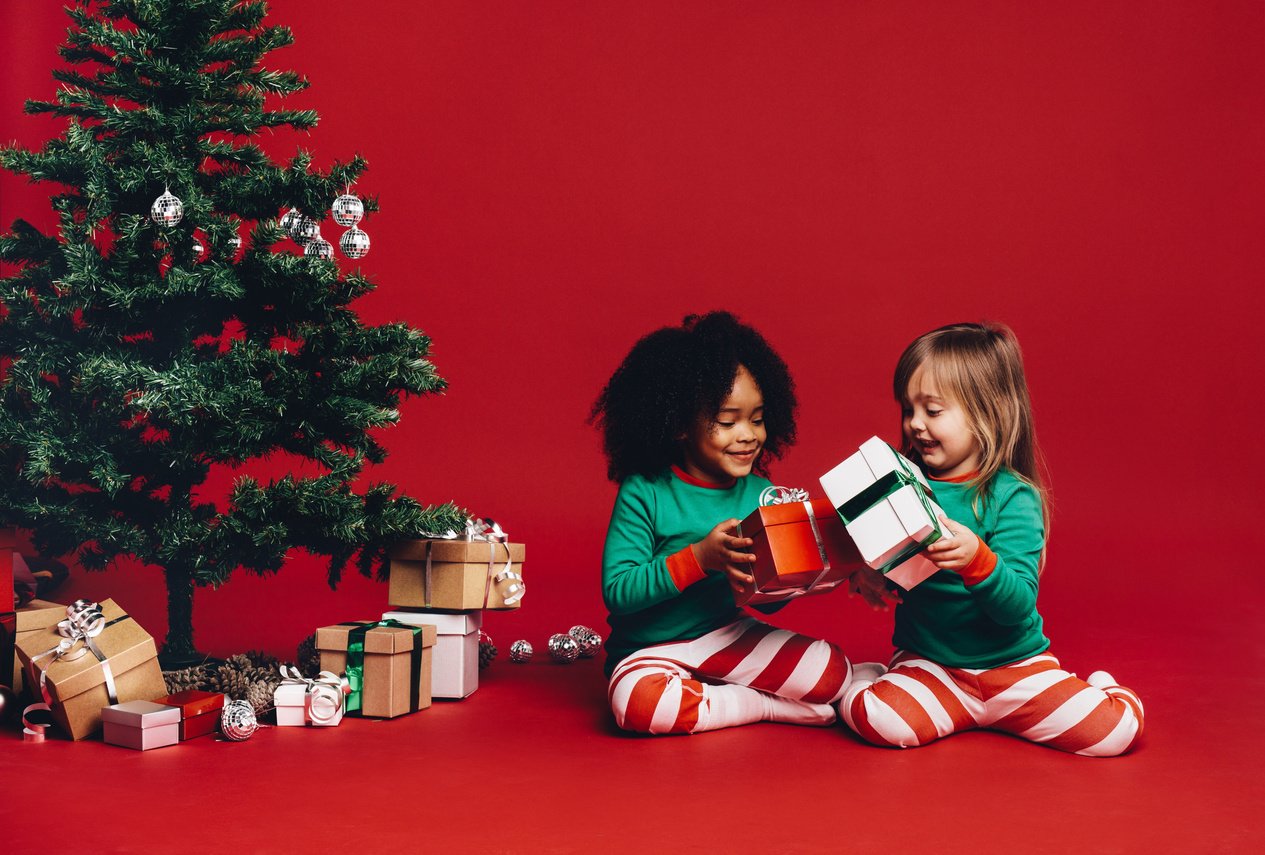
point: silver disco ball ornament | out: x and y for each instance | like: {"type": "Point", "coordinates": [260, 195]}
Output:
{"type": "Point", "coordinates": [563, 648]}
{"type": "Point", "coordinates": [590, 641]}
{"type": "Point", "coordinates": [354, 243]}
{"type": "Point", "coordinates": [520, 651]}
{"type": "Point", "coordinates": [347, 210]}
{"type": "Point", "coordinates": [167, 210]}
{"type": "Point", "coordinates": [290, 219]}
{"type": "Point", "coordinates": [237, 720]}
{"type": "Point", "coordinates": [320, 248]}
{"type": "Point", "coordinates": [305, 230]}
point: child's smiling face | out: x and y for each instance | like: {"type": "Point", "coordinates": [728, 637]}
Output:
{"type": "Point", "coordinates": [719, 450]}
{"type": "Point", "coordinates": [936, 426]}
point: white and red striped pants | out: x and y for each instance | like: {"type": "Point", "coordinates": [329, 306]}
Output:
{"type": "Point", "coordinates": [918, 701]}
{"type": "Point", "coordinates": [664, 688]}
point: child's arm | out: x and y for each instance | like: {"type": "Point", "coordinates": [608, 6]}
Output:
{"type": "Point", "coordinates": [1002, 574]}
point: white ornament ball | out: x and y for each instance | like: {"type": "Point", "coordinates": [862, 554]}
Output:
{"type": "Point", "coordinates": [290, 219]}
{"type": "Point", "coordinates": [305, 230]}
{"type": "Point", "coordinates": [520, 651]}
{"type": "Point", "coordinates": [237, 720]}
{"type": "Point", "coordinates": [354, 243]}
{"type": "Point", "coordinates": [563, 648]}
{"type": "Point", "coordinates": [347, 210]}
{"type": "Point", "coordinates": [167, 210]}
{"type": "Point", "coordinates": [320, 248]}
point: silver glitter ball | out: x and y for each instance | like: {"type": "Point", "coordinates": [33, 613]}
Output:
{"type": "Point", "coordinates": [167, 210]}
{"type": "Point", "coordinates": [520, 651]}
{"type": "Point", "coordinates": [305, 230]}
{"type": "Point", "coordinates": [589, 640]}
{"type": "Point", "coordinates": [563, 648]}
{"type": "Point", "coordinates": [354, 243]}
{"type": "Point", "coordinates": [320, 248]}
{"type": "Point", "coordinates": [347, 210]}
{"type": "Point", "coordinates": [290, 219]}
{"type": "Point", "coordinates": [237, 720]}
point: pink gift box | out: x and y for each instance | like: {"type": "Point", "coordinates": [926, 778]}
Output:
{"type": "Point", "coordinates": [141, 725]}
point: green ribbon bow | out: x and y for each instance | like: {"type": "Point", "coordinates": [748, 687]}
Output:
{"type": "Point", "coordinates": [887, 484]}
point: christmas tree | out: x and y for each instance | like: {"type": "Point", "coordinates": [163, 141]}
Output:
{"type": "Point", "coordinates": [146, 345]}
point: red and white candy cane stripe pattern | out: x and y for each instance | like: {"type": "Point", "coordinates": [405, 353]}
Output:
{"type": "Point", "coordinates": [919, 701]}
{"type": "Point", "coordinates": [658, 689]}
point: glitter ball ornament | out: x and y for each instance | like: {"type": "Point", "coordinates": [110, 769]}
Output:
{"type": "Point", "coordinates": [320, 248]}
{"type": "Point", "coordinates": [167, 210]}
{"type": "Point", "coordinates": [237, 721]}
{"type": "Point", "coordinates": [520, 651]}
{"type": "Point", "coordinates": [563, 648]}
{"type": "Point", "coordinates": [305, 230]}
{"type": "Point", "coordinates": [487, 650]}
{"type": "Point", "coordinates": [354, 243]}
{"type": "Point", "coordinates": [589, 640]}
{"type": "Point", "coordinates": [347, 210]}
{"type": "Point", "coordinates": [290, 219]}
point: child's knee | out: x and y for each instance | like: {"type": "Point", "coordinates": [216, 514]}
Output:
{"type": "Point", "coordinates": [651, 704]}
{"type": "Point", "coordinates": [875, 720]}
{"type": "Point", "coordinates": [834, 674]}
{"type": "Point", "coordinates": [1128, 729]}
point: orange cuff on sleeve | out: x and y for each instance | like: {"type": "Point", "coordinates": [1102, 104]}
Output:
{"type": "Point", "coordinates": [981, 565]}
{"type": "Point", "coordinates": [684, 568]}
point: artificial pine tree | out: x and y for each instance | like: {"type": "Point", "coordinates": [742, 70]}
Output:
{"type": "Point", "coordinates": [134, 361]}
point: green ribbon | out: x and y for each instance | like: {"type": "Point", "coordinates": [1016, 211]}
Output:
{"type": "Point", "coordinates": [886, 485]}
{"type": "Point", "coordinates": [355, 668]}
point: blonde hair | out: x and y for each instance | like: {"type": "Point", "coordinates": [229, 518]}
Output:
{"type": "Point", "coordinates": [980, 367]}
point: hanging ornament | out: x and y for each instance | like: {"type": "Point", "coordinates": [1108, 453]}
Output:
{"type": "Point", "coordinates": [238, 721]}
{"type": "Point", "coordinates": [305, 230]}
{"type": "Point", "coordinates": [320, 248]}
{"type": "Point", "coordinates": [354, 243]}
{"type": "Point", "coordinates": [347, 210]}
{"type": "Point", "coordinates": [589, 641]}
{"type": "Point", "coordinates": [167, 210]}
{"type": "Point", "coordinates": [487, 650]}
{"type": "Point", "coordinates": [520, 651]}
{"type": "Point", "coordinates": [234, 244]}
{"type": "Point", "coordinates": [198, 249]}
{"type": "Point", "coordinates": [563, 648]}
{"type": "Point", "coordinates": [290, 219]}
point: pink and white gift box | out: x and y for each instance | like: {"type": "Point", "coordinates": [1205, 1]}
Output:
{"type": "Point", "coordinates": [898, 523]}
{"type": "Point", "coordinates": [455, 663]}
{"type": "Point", "coordinates": [141, 725]}
{"type": "Point", "coordinates": [301, 702]}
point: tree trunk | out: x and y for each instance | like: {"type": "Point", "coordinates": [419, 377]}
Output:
{"type": "Point", "coordinates": [178, 650]}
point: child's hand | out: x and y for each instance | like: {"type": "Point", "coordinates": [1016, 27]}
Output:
{"type": "Point", "coordinates": [955, 552]}
{"type": "Point", "coordinates": [719, 551]}
{"type": "Point", "coordinates": [873, 588]}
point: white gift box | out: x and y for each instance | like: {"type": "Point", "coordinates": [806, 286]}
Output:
{"type": "Point", "coordinates": [455, 666]}
{"type": "Point", "coordinates": [293, 709]}
{"type": "Point", "coordinates": [141, 725]}
{"type": "Point", "coordinates": [896, 522]}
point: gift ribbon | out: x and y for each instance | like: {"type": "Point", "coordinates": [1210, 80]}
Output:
{"type": "Point", "coordinates": [772, 495]}
{"type": "Point", "coordinates": [885, 486]}
{"type": "Point", "coordinates": [84, 622]}
{"type": "Point", "coordinates": [509, 581]}
{"type": "Point", "coordinates": [323, 695]}
{"type": "Point", "coordinates": [35, 720]}
{"type": "Point", "coordinates": [354, 670]}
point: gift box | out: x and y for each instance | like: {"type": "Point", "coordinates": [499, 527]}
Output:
{"type": "Point", "coordinates": [388, 667]}
{"type": "Point", "coordinates": [199, 711]}
{"type": "Point", "coordinates": [104, 658]}
{"type": "Point", "coordinates": [801, 548]}
{"type": "Point", "coordinates": [35, 615]}
{"type": "Point", "coordinates": [319, 702]}
{"type": "Point", "coordinates": [455, 669]}
{"type": "Point", "coordinates": [456, 574]}
{"type": "Point", "coordinates": [141, 725]}
{"type": "Point", "coordinates": [888, 509]}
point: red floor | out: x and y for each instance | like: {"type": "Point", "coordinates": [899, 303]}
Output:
{"type": "Point", "coordinates": [531, 763]}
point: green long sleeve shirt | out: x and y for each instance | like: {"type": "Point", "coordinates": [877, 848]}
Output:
{"type": "Point", "coordinates": [651, 582]}
{"type": "Point", "coordinates": [984, 620]}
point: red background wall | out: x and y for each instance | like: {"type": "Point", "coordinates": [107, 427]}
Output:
{"type": "Point", "coordinates": [557, 179]}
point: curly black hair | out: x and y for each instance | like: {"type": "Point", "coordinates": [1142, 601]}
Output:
{"type": "Point", "coordinates": [676, 374]}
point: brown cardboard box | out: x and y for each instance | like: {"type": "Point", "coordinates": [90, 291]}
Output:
{"type": "Point", "coordinates": [397, 666]}
{"type": "Point", "coordinates": [459, 577]}
{"type": "Point", "coordinates": [77, 686]}
{"type": "Point", "coordinates": [37, 614]}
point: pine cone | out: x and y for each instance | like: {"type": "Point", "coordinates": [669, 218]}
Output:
{"type": "Point", "coordinates": [309, 658]}
{"type": "Point", "coordinates": [231, 682]}
{"type": "Point", "coordinates": [197, 677]}
{"type": "Point", "coordinates": [487, 650]}
{"type": "Point", "coordinates": [260, 696]}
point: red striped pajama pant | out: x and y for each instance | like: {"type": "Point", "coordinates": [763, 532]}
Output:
{"type": "Point", "coordinates": [660, 689]}
{"type": "Point", "coordinates": [918, 701]}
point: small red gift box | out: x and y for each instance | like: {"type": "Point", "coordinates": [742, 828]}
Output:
{"type": "Point", "coordinates": [199, 712]}
{"type": "Point", "coordinates": [801, 548]}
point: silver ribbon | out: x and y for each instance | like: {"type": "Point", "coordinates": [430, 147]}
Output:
{"type": "Point", "coordinates": [84, 622]}
{"type": "Point", "coordinates": [323, 696]}
{"type": "Point", "coordinates": [772, 495]}
{"type": "Point", "coordinates": [509, 581]}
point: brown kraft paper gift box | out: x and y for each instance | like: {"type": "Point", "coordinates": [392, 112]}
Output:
{"type": "Point", "coordinates": [37, 614]}
{"type": "Point", "coordinates": [77, 686]}
{"type": "Point", "coordinates": [460, 574]}
{"type": "Point", "coordinates": [389, 678]}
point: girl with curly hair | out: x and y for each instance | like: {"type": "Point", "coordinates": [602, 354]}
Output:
{"type": "Point", "coordinates": [689, 422]}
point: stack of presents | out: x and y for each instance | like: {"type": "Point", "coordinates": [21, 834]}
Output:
{"type": "Point", "coordinates": [96, 669]}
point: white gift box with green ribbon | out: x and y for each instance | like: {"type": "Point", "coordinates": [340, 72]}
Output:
{"type": "Point", "coordinates": [888, 509]}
